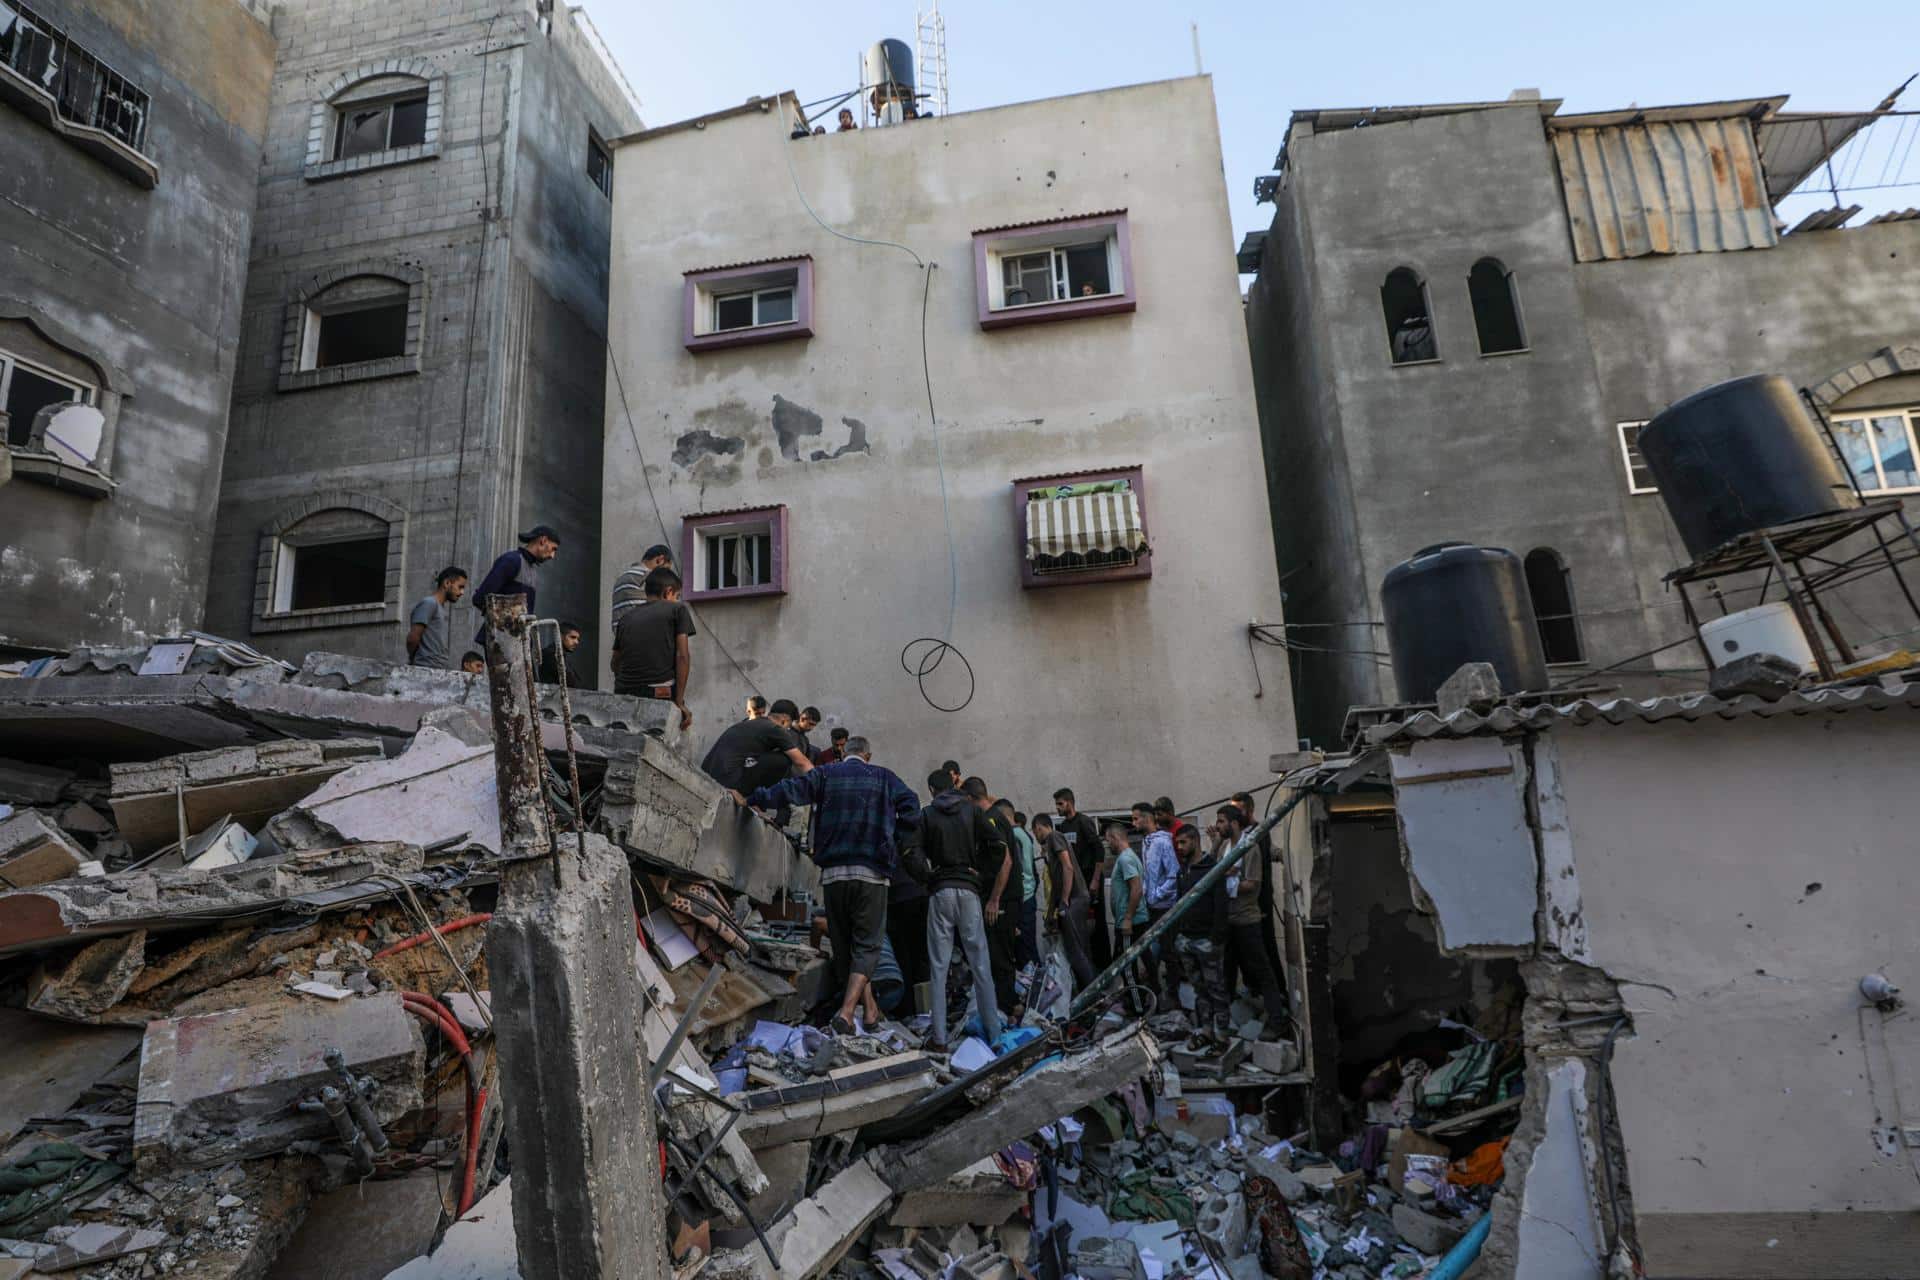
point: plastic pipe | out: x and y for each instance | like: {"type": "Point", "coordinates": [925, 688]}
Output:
{"type": "Point", "coordinates": [1465, 1250]}
{"type": "Point", "coordinates": [407, 944]}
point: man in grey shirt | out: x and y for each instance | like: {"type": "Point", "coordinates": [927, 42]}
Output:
{"type": "Point", "coordinates": [429, 634]}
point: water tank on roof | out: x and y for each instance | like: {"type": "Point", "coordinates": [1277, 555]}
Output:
{"type": "Point", "coordinates": [1740, 456]}
{"type": "Point", "coordinates": [887, 74]}
{"type": "Point", "coordinates": [1452, 604]}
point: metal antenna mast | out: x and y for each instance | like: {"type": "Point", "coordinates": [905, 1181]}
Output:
{"type": "Point", "coordinates": [932, 56]}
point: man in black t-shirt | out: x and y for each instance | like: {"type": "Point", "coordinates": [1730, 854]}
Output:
{"type": "Point", "coordinates": [1082, 835]}
{"type": "Point", "coordinates": [757, 753]}
{"type": "Point", "coordinates": [651, 658]}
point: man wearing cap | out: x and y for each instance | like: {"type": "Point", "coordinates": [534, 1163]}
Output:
{"type": "Point", "coordinates": [516, 573]}
{"type": "Point", "coordinates": [630, 588]}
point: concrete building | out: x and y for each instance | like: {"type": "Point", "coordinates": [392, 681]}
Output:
{"type": "Point", "coordinates": [1463, 312]}
{"type": "Point", "coordinates": [422, 348]}
{"type": "Point", "coordinates": [1708, 1085]}
{"type": "Point", "coordinates": [129, 148]}
{"type": "Point", "coordinates": [1086, 524]}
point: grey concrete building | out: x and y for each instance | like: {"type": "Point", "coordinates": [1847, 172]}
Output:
{"type": "Point", "coordinates": [1463, 311]}
{"type": "Point", "coordinates": [129, 148]}
{"type": "Point", "coordinates": [422, 337]}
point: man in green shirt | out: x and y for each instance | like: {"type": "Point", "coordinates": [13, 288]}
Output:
{"type": "Point", "coordinates": [1027, 948]}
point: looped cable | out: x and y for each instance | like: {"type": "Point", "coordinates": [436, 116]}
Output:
{"type": "Point", "coordinates": [929, 662]}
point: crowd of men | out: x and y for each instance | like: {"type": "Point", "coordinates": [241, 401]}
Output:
{"type": "Point", "coordinates": [963, 874]}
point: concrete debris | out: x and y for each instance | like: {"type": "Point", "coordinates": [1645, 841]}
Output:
{"type": "Point", "coordinates": [248, 784]}
{"type": "Point", "coordinates": [34, 850]}
{"type": "Point", "coordinates": [23, 783]}
{"type": "Point", "coordinates": [480, 1246]}
{"type": "Point", "coordinates": [95, 1243]}
{"type": "Point", "coordinates": [228, 1086]}
{"type": "Point", "coordinates": [863, 1096]}
{"type": "Point", "coordinates": [82, 985]}
{"type": "Point", "coordinates": [438, 792]}
{"type": "Point", "coordinates": [48, 1065]}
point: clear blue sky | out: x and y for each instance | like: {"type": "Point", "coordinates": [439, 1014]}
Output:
{"type": "Point", "coordinates": [1268, 59]}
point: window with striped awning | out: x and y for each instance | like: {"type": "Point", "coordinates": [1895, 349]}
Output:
{"type": "Point", "coordinates": [1087, 530]}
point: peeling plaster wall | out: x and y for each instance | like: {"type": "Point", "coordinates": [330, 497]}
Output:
{"type": "Point", "coordinates": [1081, 685]}
{"type": "Point", "coordinates": [147, 283]}
{"type": "Point", "coordinates": [1736, 879]}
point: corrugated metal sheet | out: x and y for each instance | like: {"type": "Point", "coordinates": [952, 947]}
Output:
{"type": "Point", "coordinates": [1661, 187]}
{"type": "Point", "coordinates": [1684, 708]}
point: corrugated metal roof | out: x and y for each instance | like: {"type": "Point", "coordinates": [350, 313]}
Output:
{"type": "Point", "coordinates": [1047, 222]}
{"type": "Point", "coordinates": [750, 262]}
{"type": "Point", "coordinates": [1683, 707]}
{"type": "Point", "coordinates": [1793, 146]}
{"type": "Point", "coordinates": [1663, 187]}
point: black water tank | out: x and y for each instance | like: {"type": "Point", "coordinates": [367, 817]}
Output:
{"type": "Point", "coordinates": [1741, 456]}
{"type": "Point", "coordinates": [1452, 604]}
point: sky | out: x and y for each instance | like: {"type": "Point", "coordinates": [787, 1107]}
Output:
{"type": "Point", "coordinates": [1270, 59]}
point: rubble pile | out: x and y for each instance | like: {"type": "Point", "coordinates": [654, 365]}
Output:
{"type": "Point", "coordinates": [249, 1009]}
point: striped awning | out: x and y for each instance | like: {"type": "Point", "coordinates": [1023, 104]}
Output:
{"type": "Point", "coordinates": [1084, 522]}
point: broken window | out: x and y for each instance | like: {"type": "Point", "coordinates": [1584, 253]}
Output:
{"type": "Point", "coordinates": [26, 389]}
{"type": "Point", "coordinates": [1496, 308]}
{"type": "Point", "coordinates": [84, 89]}
{"type": "Point", "coordinates": [1551, 585]}
{"type": "Point", "coordinates": [330, 560]}
{"type": "Point", "coordinates": [366, 128]}
{"type": "Point", "coordinates": [1087, 527]}
{"type": "Point", "coordinates": [368, 333]}
{"type": "Point", "coordinates": [1639, 474]}
{"type": "Point", "coordinates": [740, 553]}
{"type": "Point", "coordinates": [758, 307]}
{"type": "Point", "coordinates": [600, 164]}
{"type": "Point", "coordinates": [1410, 336]}
{"type": "Point", "coordinates": [1879, 449]}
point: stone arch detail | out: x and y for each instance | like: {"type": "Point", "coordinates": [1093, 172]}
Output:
{"type": "Point", "coordinates": [409, 273]}
{"type": "Point", "coordinates": [336, 500]}
{"type": "Point", "coordinates": [418, 68]}
{"type": "Point", "coordinates": [1884, 363]}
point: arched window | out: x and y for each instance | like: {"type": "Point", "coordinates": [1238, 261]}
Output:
{"type": "Point", "coordinates": [354, 320]}
{"type": "Point", "coordinates": [1551, 586]}
{"type": "Point", "coordinates": [1409, 320]}
{"type": "Point", "coordinates": [1496, 308]}
{"type": "Point", "coordinates": [375, 115]}
{"type": "Point", "coordinates": [331, 559]}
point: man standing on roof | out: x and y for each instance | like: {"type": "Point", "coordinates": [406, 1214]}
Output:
{"type": "Point", "coordinates": [861, 813]}
{"type": "Point", "coordinates": [517, 573]}
{"type": "Point", "coordinates": [630, 588]}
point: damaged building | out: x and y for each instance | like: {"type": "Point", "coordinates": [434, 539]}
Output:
{"type": "Point", "coordinates": [1048, 481]}
{"type": "Point", "coordinates": [1464, 313]}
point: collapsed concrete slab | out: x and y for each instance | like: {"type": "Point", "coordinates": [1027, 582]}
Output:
{"type": "Point", "coordinates": [24, 783]}
{"type": "Point", "coordinates": [844, 1100]}
{"type": "Point", "coordinates": [76, 910]}
{"type": "Point", "coordinates": [477, 1247]}
{"type": "Point", "coordinates": [979, 1195]}
{"type": "Point", "coordinates": [819, 1231]}
{"type": "Point", "coordinates": [439, 790]}
{"type": "Point", "coordinates": [668, 811]}
{"type": "Point", "coordinates": [248, 784]}
{"type": "Point", "coordinates": [35, 851]}
{"type": "Point", "coordinates": [49, 1064]}
{"type": "Point", "coordinates": [227, 1086]}
{"type": "Point", "coordinates": [1022, 1107]}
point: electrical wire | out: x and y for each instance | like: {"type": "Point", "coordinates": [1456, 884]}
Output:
{"type": "Point", "coordinates": [916, 660]}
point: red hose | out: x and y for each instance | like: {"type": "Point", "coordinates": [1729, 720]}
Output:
{"type": "Point", "coordinates": [425, 1007]}
{"type": "Point", "coordinates": [407, 944]}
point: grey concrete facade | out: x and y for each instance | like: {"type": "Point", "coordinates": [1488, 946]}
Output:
{"type": "Point", "coordinates": [1369, 461]}
{"type": "Point", "coordinates": [120, 271]}
{"type": "Point", "coordinates": [490, 420]}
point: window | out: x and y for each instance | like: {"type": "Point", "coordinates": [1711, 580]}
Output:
{"type": "Point", "coordinates": [1639, 474]}
{"type": "Point", "coordinates": [1496, 308]}
{"type": "Point", "coordinates": [1088, 527]}
{"type": "Point", "coordinates": [354, 321]}
{"type": "Point", "coordinates": [747, 303]}
{"type": "Point", "coordinates": [70, 90]}
{"type": "Point", "coordinates": [1061, 270]}
{"type": "Point", "coordinates": [332, 575]}
{"type": "Point", "coordinates": [1551, 586]}
{"type": "Point", "coordinates": [600, 164]}
{"type": "Point", "coordinates": [26, 389]}
{"type": "Point", "coordinates": [385, 113]}
{"type": "Point", "coordinates": [333, 559]}
{"type": "Point", "coordinates": [735, 553]}
{"type": "Point", "coordinates": [1878, 448]}
{"type": "Point", "coordinates": [745, 310]}
{"type": "Point", "coordinates": [365, 128]}
{"type": "Point", "coordinates": [1403, 298]}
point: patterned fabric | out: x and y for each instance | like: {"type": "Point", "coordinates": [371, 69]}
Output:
{"type": "Point", "coordinates": [857, 810]}
{"type": "Point", "coordinates": [700, 909]}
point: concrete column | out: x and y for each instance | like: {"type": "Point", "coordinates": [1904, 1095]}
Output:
{"type": "Point", "coordinates": [587, 1201]}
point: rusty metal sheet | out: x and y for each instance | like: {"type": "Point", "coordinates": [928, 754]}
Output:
{"type": "Point", "coordinates": [1663, 187]}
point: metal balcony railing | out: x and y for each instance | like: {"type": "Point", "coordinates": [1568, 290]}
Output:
{"type": "Point", "coordinates": [84, 89]}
